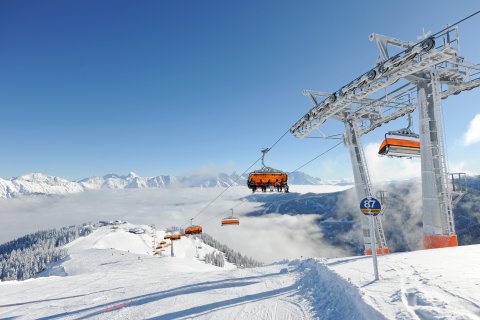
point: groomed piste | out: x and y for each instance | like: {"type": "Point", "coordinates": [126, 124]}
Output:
{"type": "Point", "coordinates": [111, 274]}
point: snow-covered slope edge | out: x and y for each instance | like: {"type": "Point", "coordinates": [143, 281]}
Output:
{"type": "Point", "coordinates": [331, 296]}
{"type": "Point", "coordinates": [425, 284]}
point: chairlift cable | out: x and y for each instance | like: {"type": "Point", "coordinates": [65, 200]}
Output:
{"type": "Point", "coordinates": [332, 137]}
{"type": "Point", "coordinates": [303, 165]}
{"type": "Point", "coordinates": [235, 181]}
{"type": "Point", "coordinates": [224, 190]}
{"type": "Point", "coordinates": [458, 22]}
{"type": "Point", "coordinates": [315, 158]}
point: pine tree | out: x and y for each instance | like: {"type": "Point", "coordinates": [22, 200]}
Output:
{"type": "Point", "coordinates": [25, 257]}
{"type": "Point", "coordinates": [228, 254]}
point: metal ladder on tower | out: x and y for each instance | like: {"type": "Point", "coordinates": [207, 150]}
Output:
{"type": "Point", "coordinates": [439, 155]}
{"type": "Point", "coordinates": [381, 243]}
{"type": "Point", "coordinates": [364, 188]}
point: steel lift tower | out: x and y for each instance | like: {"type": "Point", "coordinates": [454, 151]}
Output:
{"type": "Point", "coordinates": [419, 76]}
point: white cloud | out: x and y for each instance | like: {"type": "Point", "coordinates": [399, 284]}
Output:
{"type": "Point", "coordinates": [462, 166]}
{"type": "Point", "coordinates": [274, 237]}
{"type": "Point", "coordinates": [473, 133]}
{"type": "Point", "coordinates": [267, 238]}
{"type": "Point", "coordinates": [386, 168]}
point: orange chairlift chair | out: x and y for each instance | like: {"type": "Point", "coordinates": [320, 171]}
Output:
{"type": "Point", "coordinates": [193, 229]}
{"type": "Point", "coordinates": [399, 147]}
{"type": "Point", "coordinates": [266, 177]}
{"type": "Point", "coordinates": [175, 236]}
{"type": "Point", "coordinates": [230, 220]}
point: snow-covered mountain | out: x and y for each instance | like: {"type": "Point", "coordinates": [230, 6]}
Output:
{"type": "Point", "coordinates": [303, 178]}
{"type": "Point", "coordinates": [37, 184]}
{"type": "Point", "coordinates": [130, 181]}
{"type": "Point", "coordinates": [41, 184]}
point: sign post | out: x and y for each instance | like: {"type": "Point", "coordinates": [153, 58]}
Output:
{"type": "Point", "coordinates": [371, 207]}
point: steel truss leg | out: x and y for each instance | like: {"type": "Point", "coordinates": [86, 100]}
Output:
{"type": "Point", "coordinates": [364, 188]}
{"type": "Point", "coordinates": [438, 224]}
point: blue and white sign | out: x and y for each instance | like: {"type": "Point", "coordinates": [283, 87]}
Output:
{"type": "Point", "coordinates": [370, 206]}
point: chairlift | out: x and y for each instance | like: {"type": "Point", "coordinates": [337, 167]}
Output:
{"type": "Point", "coordinates": [401, 148]}
{"type": "Point", "coordinates": [266, 177]}
{"type": "Point", "coordinates": [175, 236]}
{"type": "Point", "coordinates": [193, 229]}
{"type": "Point", "coordinates": [230, 220]}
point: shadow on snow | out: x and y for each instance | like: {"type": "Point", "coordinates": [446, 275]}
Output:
{"type": "Point", "coordinates": [155, 296]}
{"type": "Point", "coordinates": [54, 299]}
{"type": "Point", "coordinates": [215, 306]}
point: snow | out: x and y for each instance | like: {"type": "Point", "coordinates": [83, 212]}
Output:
{"type": "Point", "coordinates": [111, 274]}
{"type": "Point", "coordinates": [122, 240]}
{"type": "Point", "coordinates": [104, 282]}
{"type": "Point", "coordinates": [37, 184]}
{"type": "Point", "coordinates": [426, 284]}
{"type": "Point", "coordinates": [41, 184]}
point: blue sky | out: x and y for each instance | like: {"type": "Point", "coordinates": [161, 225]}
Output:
{"type": "Point", "coordinates": [174, 87]}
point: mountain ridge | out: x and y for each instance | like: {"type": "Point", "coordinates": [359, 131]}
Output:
{"type": "Point", "coordinates": [41, 184]}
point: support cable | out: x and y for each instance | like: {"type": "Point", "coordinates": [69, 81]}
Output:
{"type": "Point", "coordinates": [458, 22]}
{"type": "Point", "coordinates": [321, 154]}
{"type": "Point", "coordinates": [238, 178]}
{"type": "Point", "coordinates": [242, 202]}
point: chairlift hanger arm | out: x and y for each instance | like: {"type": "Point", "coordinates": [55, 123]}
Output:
{"type": "Point", "coordinates": [377, 123]}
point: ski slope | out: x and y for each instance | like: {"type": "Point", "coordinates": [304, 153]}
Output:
{"type": "Point", "coordinates": [112, 274]}
{"type": "Point", "coordinates": [426, 284]}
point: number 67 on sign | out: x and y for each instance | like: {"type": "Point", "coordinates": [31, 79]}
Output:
{"type": "Point", "coordinates": [370, 206]}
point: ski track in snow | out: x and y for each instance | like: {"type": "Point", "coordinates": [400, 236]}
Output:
{"type": "Point", "coordinates": [425, 302]}
{"type": "Point", "coordinates": [109, 276]}
{"type": "Point", "coordinates": [106, 283]}
{"type": "Point", "coordinates": [426, 284]}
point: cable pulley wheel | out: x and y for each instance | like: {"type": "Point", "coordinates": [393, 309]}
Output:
{"type": "Point", "coordinates": [428, 44]}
